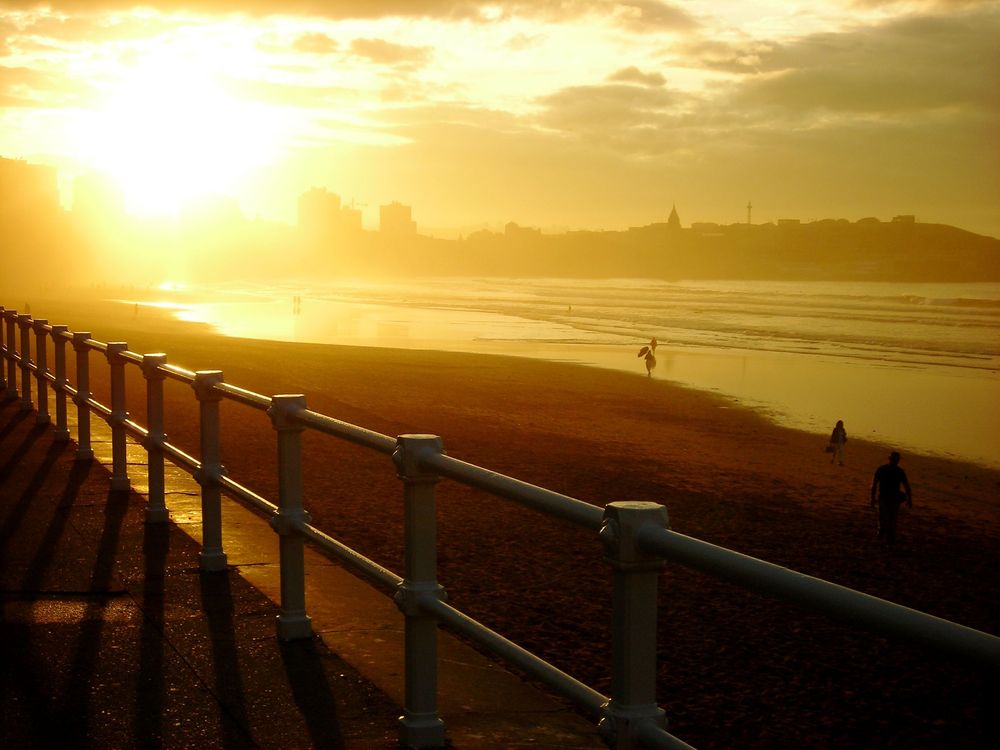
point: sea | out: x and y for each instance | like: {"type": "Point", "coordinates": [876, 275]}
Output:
{"type": "Point", "coordinates": [913, 366]}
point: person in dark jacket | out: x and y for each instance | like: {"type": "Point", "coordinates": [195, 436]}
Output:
{"type": "Point", "coordinates": [838, 439]}
{"type": "Point", "coordinates": [890, 488]}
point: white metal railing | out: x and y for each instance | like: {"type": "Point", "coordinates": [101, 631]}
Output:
{"type": "Point", "coordinates": [635, 535]}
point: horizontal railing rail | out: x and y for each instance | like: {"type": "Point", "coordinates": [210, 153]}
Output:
{"type": "Point", "coordinates": [636, 536]}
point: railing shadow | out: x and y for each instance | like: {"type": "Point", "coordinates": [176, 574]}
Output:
{"type": "Point", "coordinates": [12, 421]}
{"type": "Point", "coordinates": [76, 712]}
{"type": "Point", "coordinates": [312, 693]}
{"type": "Point", "coordinates": [148, 725]}
{"type": "Point", "coordinates": [217, 603]}
{"type": "Point", "coordinates": [19, 657]}
{"type": "Point", "coordinates": [16, 456]}
{"type": "Point", "coordinates": [42, 560]}
{"type": "Point", "coordinates": [24, 503]}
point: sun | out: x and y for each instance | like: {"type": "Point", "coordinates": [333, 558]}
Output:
{"type": "Point", "coordinates": [169, 135]}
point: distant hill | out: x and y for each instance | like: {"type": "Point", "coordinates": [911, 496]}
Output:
{"type": "Point", "coordinates": [823, 250]}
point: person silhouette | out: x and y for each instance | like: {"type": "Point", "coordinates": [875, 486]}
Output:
{"type": "Point", "coordinates": [890, 488]}
{"type": "Point", "coordinates": [648, 352]}
{"type": "Point", "coordinates": [838, 439]}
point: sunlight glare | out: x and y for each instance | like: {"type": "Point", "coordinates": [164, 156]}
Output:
{"type": "Point", "coordinates": [170, 135]}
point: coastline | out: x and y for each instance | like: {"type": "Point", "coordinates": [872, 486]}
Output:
{"type": "Point", "coordinates": [726, 474]}
{"type": "Point", "coordinates": [946, 407]}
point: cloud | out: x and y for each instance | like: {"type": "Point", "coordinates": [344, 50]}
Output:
{"type": "Point", "coordinates": [628, 119]}
{"type": "Point", "coordinates": [917, 63]}
{"type": "Point", "coordinates": [640, 15]}
{"type": "Point", "coordinates": [632, 74]}
{"type": "Point", "coordinates": [27, 87]}
{"type": "Point", "coordinates": [925, 4]}
{"type": "Point", "coordinates": [286, 94]}
{"type": "Point", "coordinates": [381, 52]}
{"type": "Point", "coordinates": [316, 44]}
{"type": "Point", "coordinates": [653, 16]}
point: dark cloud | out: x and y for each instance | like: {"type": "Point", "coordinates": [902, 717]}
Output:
{"type": "Point", "coordinates": [381, 52]}
{"type": "Point", "coordinates": [632, 74]}
{"type": "Point", "coordinates": [917, 63]}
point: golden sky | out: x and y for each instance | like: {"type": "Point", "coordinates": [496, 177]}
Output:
{"type": "Point", "coordinates": [559, 114]}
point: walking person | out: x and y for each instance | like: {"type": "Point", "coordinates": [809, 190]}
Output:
{"type": "Point", "coordinates": [838, 439]}
{"type": "Point", "coordinates": [890, 489]}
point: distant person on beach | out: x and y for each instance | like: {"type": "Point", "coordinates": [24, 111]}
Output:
{"type": "Point", "coordinates": [890, 489]}
{"type": "Point", "coordinates": [838, 439]}
{"type": "Point", "coordinates": [647, 353]}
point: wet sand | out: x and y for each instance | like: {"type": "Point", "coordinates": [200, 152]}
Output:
{"type": "Point", "coordinates": [736, 669]}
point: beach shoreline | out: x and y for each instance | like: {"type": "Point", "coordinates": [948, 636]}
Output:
{"type": "Point", "coordinates": [726, 475]}
{"type": "Point", "coordinates": [910, 400]}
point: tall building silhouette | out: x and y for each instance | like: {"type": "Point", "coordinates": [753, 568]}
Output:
{"type": "Point", "coordinates": [318, 208]}
{"type": "Point", "coordinates": [28, 191]}
{"type": "Point", "coordinates": [395, 219]}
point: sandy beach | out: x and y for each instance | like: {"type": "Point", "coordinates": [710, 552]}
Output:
{"type": "Point", "coordinates": [736, 669]}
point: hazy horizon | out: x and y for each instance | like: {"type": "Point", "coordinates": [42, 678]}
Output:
{"type": "Point", "coordinates": [587, 115]}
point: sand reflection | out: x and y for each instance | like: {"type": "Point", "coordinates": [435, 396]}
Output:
{"type": "Point", "coordinates": [946, 410]}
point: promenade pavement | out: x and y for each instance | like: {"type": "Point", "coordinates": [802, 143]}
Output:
{"type": "Point", "coordinates": [110, 636]}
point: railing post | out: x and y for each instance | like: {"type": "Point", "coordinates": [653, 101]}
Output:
{"type": "Point", "coordinates": [156, 509]}
{"type": "Point", "coordinates": [419, 726]}
{"type": "Point", "coordinates": [10, 318]}
{"type": "Point", "coordinates": [83, 450]}
{"type": "Point", "coordinates": [293, 622]}
{"type": "Point", "coordinates": [634, 600]}
{"type": "Point", "coordinates": [41, 371]}
{"type": "Point", "coordinates": [211, 557]}
{"type": "Point", "coordinates": [119, 447]}
{"type": "Point", "coordinates": [24, 323]}
{"type": "Point", "coordinates": [59, 347]}
{"type": "Point", "coordinates": [3, 350]}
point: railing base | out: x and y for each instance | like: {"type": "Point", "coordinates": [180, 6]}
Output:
{"type": "Point", "coordinates": [62, 436]}
{"type": "Point", "coordinates": [157, 515]}
{"type": "Point", "coordinates": [42, 419]}
{"type": "Point", "coordinates": [120, 484]}
{"type": "Point", "coordinates": [420, 733]}
{"type": "Point", "coordinates": [294, 628]}
{"type": "Point", "coordinates": [212, 562]}
{"type": "Point", "coordinates": [84, 454]}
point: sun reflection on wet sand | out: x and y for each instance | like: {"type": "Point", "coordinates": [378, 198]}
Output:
{"type": "Point", "coordinates": [949, 411]}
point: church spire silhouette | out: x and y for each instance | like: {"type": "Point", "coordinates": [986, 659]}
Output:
{"type": "Point", "coordinates": [674, 222]}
